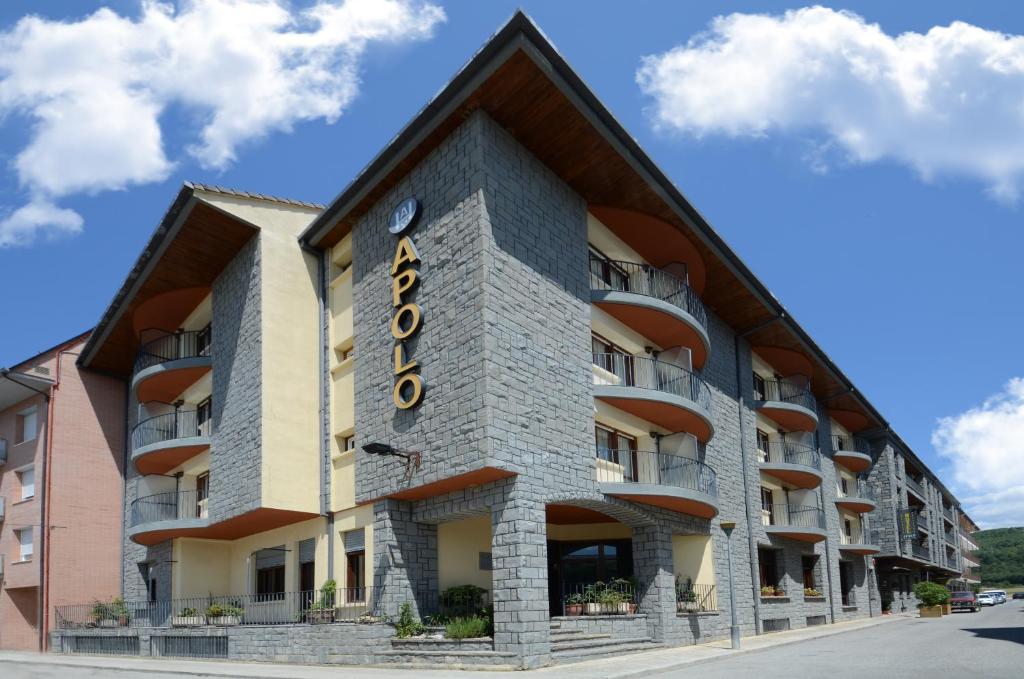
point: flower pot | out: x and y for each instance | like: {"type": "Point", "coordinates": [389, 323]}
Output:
{"type": "Point", "coordinates": [574, 609]}
{"type": "Point", "coordinates": [931, 611]}
{"type": "Point", "coordinates": [630, 608]}
{"type": "Point", "coordinates": [109, 623]}
{"type": "Point", "coordinates": [592, 609]}
{"type": "Point", "coordinates": [188, 620]}
{"type": "Point", "coordinates": [225, 620]}
{"type": "Point", "coordinates": [320, 616]}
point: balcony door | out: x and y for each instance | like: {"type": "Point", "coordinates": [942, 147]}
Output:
{"type": "Point", "coordinates": [617, 455]}
{"type": "Point", "coordinates": [202, 494]}
{"type": "Point", "coordinates": [613, 359]}
{"type": "Point", "coordinates": [606, 273]}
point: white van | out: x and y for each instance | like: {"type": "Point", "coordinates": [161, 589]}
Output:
{"type": "Point", "coordinates": [998, 595]}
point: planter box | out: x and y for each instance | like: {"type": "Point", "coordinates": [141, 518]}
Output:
{"type": "Point", "coordinates": [606, 609]}
{"type": "Point", "coordinates": [574, 609]}
{"type": "Point", "coordinates": [226, 620]}
{"type": "Point", "coordinates": [188, 620]}
{"type": "Point", "coordinates": [947, 609]}
{"type": "Point", "coordinates": [931, 611]}
{"type": "Point", "coordinates": [111, 623]}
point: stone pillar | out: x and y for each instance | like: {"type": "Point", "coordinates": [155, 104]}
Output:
{"type": "Point", "coordinates": [652, 564]}
{"type": "Point", "coordinates": [520, 575]}
{"type": "Point", "coordinates": [405, 559]}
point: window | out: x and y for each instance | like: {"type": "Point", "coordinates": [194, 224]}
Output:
{"type": "Point", "coordinates": [204, 417]}
{"type": "Point", "coordinates": [844, 489]}
{"type": "Point", "coordinates": [204, 339]}
{"type": "Point", "coordinates": [809, 564]}
{"type": "Point", "coordinates": [26, 424]}
{"type": "Point", "coordinates": [618, 448]}
{"type": "Point", "coordinates": [768, 567]}
{"type": "Point", "coordinates": [606, 273]}
{"type": "Point", "coordinates": [347, 353]}
{"type": "Point", "coordinates": [348, 443]}
{"type": "Point", "coordinates": [24, 536]}
{"type": "Point", "coordinates": [270, 573]}
{"type": "Point", "coordinates": [202, 494]}
{"type": "Point", "coordinates": [759, 388]}
{"type": "Point", "coordinates": [612, 358]}
{"type": "Point", "coordinates": [768, 505]}
{"type": "Point", "coordinates": [355, 564]}
{"type": "Point", "coordinates": [848, 528]}
{"type": "Point", "coordinates": [763, 445]}
{"type": "Point", "coordinates": [27, 479]}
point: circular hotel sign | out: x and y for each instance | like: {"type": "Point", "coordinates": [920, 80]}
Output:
{"type": "Point", "coordinates": [404, 216]}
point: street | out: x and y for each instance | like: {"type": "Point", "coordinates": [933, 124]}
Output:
{"type": "Point", "coordinates": [987, 644]}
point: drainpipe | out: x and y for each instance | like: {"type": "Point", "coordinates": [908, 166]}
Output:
{"type": "Point", "coordinates": [744, 456]}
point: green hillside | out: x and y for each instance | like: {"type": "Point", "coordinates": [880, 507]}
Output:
{"type": "Point", "coordinates": [1002, 556]}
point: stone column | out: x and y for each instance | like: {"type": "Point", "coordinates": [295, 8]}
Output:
{"type": "Point", "coordinates": [652, 564]}
{"type": "Point", "coordinates": [405, 558]}
{"type": "Point", "coordinates": [520, 575]}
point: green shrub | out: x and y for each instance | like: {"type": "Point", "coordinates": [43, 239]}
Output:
{"type": "Point", "coordinates": [931, 593]}
{"type": "Point", "coordinates": [224, 611]}
{"type": "Point", "coordinates": [467, 628]}
{"type": "Point", "coordinates": [407, 625]}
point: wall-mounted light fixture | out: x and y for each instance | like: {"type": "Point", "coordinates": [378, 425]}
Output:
{"type": "Point", "coordinates": [378, 448]}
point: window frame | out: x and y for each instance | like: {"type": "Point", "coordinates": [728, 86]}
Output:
{"type": "Point", "coordinates": [19, 533]}
{"type": "Point", "coordinates": [20, 475]}
{"type": "Point", "coordinates": [20, 429]}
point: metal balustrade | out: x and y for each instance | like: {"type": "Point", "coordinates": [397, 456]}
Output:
{"type": "Point", "coordinates": [797, 516]}
{"type": "Point", "coordinates": [692, 598]}
{"type": "Point", "coordinates": [864, 537]}
{"type": "Point", "coordinates": [786, 392]}
{"type": "Point", "coordinates": [177, 425]}
{"type": "Point", "coordinates": [644, 279]}
{"type": "Point", "coordinates": [853, 444]}
{"type": "Point", "coordinates": [920, 551]}
{"type": "Point", "coordinates": [169, 506]}
{"type": "Point", "coordinates": [645, 372]}
{"type": "Point", "coordinates": [790, 452]}
{"type": "Point", "coordinates": [660, 469]}
{"type": "Point", "coordinates": [173, 347]}
{"type": "Point", "coordinates": [859, 488]}
{"type": "Point", "coordinates": [915, 485]}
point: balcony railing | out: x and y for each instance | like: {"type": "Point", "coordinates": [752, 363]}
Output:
{"type": "Point", "coordinates": [177, 425]}
{"type": "Point", "coordinates": [951, 561]}
{"type": "Point", "coordinates": [281, 608]}
{"type": "Point", "coordinates": [864, 537]}
{"type": "Point", "coordinates": [644, 279]}
{"type": "Point", "coordinates": [856, 489]}
{"type": "Point", "coordinates": [915, 485]}
{"type": "Point", "coordinates": [173, 347]}
{"type": "Point", "coordinates": [797, 516]}
{"type": "Point", "coordinates": [649, 373]}
{"type": "Point", "coordinates": [691, 598]}
{"type": "Point", "coordinates": [853, 444]}
{"type": "Point", "coordinates": [920, 551]}
{"type": "Point", "coordinates": [948, 513]}
{"type": "Point", "coordinates": [786, 392]}
{"type": "Point", "coordinates": [660, 469]}
{"type": "Point", "coordinates": [170, 506]}
{"type": "Point", "coordinates": [950, 536]}
{"type": "Point", "coordinates": [790, 452]}
{"type": "Point", "coordinates": [921, 520]}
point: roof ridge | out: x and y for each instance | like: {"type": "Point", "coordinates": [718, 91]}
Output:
{"type": "Point", "coordinates": [213, 188]}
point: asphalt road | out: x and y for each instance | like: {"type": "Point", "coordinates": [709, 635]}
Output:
{"type": "Point", "coordinates": [988, 644]}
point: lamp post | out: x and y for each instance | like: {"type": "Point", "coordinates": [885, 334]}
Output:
{"type": "Point", "coordinates": [734, 628]}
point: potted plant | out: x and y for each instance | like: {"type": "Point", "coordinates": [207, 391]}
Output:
{"type": "Point", "coordinates": [574, 604]}
{"type": "Point", "coordinates": [611, 601]}
{"type": "Point", "coordinates": [224, 615]}
{"type": "Point", "coordinates": [323, 610]}
{"type": "Point", "coordinates": [811, 592]}
{"type": "Point", "coordinates": [113, 614]}
{"type": "Point", "coordinates": [932, 597]}
{"type": "Point", "coordinates": [188, 617]}
{"type": "Point", "coordinates": [767, 590]}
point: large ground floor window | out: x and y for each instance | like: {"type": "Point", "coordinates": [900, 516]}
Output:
{"type": "Point", "coordinates": [572, 566]}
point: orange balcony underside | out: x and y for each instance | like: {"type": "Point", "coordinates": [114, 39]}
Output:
{"type": "Point", "coordinates": [167, 310]}
{"type": "Point", "coordinates": [795, 477]}
{"type": "Point", "coordinates": [662, 328]}
{"type": "Point", "coordinates": [796, 534]}
{"type": "Point", "coordinates": [665, 415]}
{"type": "Point", "coordinates": [789, 419]}
{"type": "Point", "coordinates": [166, 459]}
{"type": "Point", "coordinates": [474, 478]}
{"type": "Point", "coordinates": [855, 504]}
{"type": "Point", "coordinates": [253, 522]}
{"type": "Point", "coordinates": [855, 462]}
{"type": "Point", "coordinates": [565, 515]}
{"type": "Point", "coordinates": [862, 550]}
{"type": "Point", "coordinates": [167, 385]}
{"type": "Point", "coordinates": [851, 419]}
{"type": "Point", "coordinates": [683, 506]}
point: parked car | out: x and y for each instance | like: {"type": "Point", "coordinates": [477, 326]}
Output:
{"type": "Point", "coordinates": [986, 599]}
{"type": "Point", "coordinates": [1018, 595]}
{"type": "Point", "coordinates": [999, 594]}
{"type": "Point", "coordinates": [964, 601]}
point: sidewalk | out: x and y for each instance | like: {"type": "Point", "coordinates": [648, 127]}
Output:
{"type": "Point", "coordinates": [623, 667]}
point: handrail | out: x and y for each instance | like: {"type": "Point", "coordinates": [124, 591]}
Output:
{"type": "Point", "coordinates": [660, 469]}
{"type": "Point", "coordinates": [861, 489]}
{"type": "Point", "coordinates": [650, 373]}
{"type": "Point", "coordinates": [786, 392]}
{"type": "Point", "coordinates": [798, 516]}
{"type": "Point", "coordinates": [853, 444]}
{"type": "Point", "coordinates": [920, 551]}
{"type": "Point", "coordinates": [866, 537]}
{"type": "Point", "coordinates": [791, 452]}
{"type": "Point", "coordinates": [169, 426]}
{"type": "Point", "coordinates": [648, 280]}
{"type": "Point", "coordinates": [173, 347]}
{"type": "Point", "coordinates": [169, 506]}
{"type": "Point", "coordinates": [915, 484]}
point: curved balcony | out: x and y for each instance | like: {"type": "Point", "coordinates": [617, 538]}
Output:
{"type": "Point", "coordinates": [798, 464]}
{"type": "Point", "coordinates": [852, 452]}
{"type": "Point", "coordinates": [161, 443]}
{"type": "Point", "coordinates": [858, 497]}
{"type": "Point", "coordinates": [864, 544]}
{"type": "Point", "coordinates": [655, 303]}
{"type": "Point", "coordinates": [662, 393]}
{"type": "Point", "coordinates": [670, 481]}
{"type": "Point", "coordinates": [791, 405]}
{"type": "Point", "coordinates": [168, 365]}
{"type": "Point", "coordinates": [796, 522]}
{"type": "Point", "coordinates": [158, 517]}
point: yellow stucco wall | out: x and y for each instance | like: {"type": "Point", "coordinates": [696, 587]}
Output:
{"type": "Point", "coordinates": [201, 568]}
{"type": "Point", "coordinates": [353, 519]}
{"type": "Point", "coordinates": [693, 558]}
{"type": "Point", "coordinates": [343, 480]}
{"type": "Point", "coordinates": [459, 544]}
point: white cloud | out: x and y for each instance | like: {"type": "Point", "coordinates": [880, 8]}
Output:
{"type": "Point", "coordinates": [946, 102]}
{"type": "Point", "coordinates": [95, 89]}
{"type": "Point", "coordinates": [38, 218]}
{"type": "Point", "coordinates": [986, 447]}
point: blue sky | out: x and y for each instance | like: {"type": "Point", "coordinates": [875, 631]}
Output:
{"type": "Point", "coordinates": [911, 284]}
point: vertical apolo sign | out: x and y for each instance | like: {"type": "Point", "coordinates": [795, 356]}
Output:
{"type": "Point", "coordinates": [407, 319]}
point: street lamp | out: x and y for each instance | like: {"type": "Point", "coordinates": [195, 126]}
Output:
{"type": "Point", "coordinates": [734, 629]}
{"type": "Point", "coordinates": [377, 448]}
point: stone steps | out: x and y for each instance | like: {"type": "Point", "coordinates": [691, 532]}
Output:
{"type": "Point", "coordinates": [457, 660]}
{"type": "Point", "coordinates": [575, 650]}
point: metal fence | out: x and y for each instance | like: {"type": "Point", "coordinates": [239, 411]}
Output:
{"type": "Point", "coordinates": [172, 347]}
{"type": "Point", "coordinates": [649, 373]}
{"type": "Point", "coordinates": [169, 506]}
{"type": "Point", "coordinates": [662, 469]}
{"type": "Point", "coordinates": [177, 425]}
{"type": "Point", "coordinates": [790, 452]}
{"type": "Point", "coordinates": [692, 598]}
{"type": "Point", "coordinates": [799, 516]}
{"type": "Point", "coordinates": [920, 551]}
{"type": "Point", "coordinates": [915, 485]}
{"type": "Point", "coordinates": [282, 608]}
{"type": "Point", "coordinates": [854, 444]}
{"type": "Point", "coordinates": [787, 392]}
{"type": "Point", "coordinates": [644, 279]}
{"type": "Point", "coordinates": [617, 597]}
{"type": "Point", "coordinates": [859, 488]}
